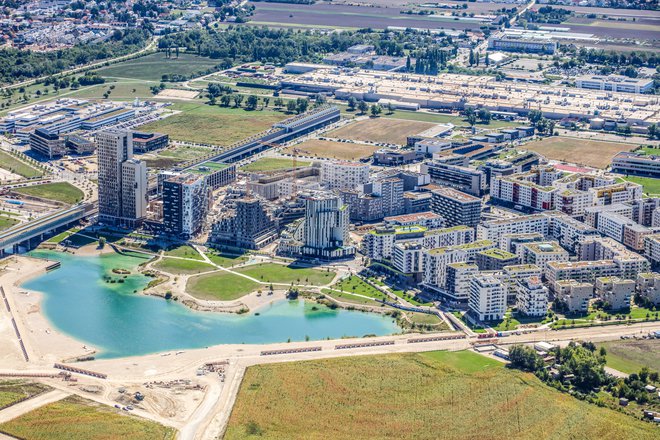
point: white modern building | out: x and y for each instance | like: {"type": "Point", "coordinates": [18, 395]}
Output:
{"type": "Point", "coordinates": [614, 83]}
{"type": "Point", "coordinates": [344, 174]}
{"type": "Point", "coordinates": [487, 300]}
{"type": "Point", "coordinates": [532, 297]}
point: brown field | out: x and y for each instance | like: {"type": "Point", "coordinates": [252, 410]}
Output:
{"type": "Point", "coordinates": [389, 130]}
{"type": "Point", "coordinates": [597, 154]}
{"type": "Point", "coordinates": [433, 395]}
{"type": "Point", "coordinates": [333, 150]}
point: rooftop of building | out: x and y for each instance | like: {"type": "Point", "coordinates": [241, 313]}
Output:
{"type": "Point", "coordinates": [545, 247]}
{"type": "Point", "coordinates": [455, 194]}
{"type": "Point", "coordinates": [207, 168]}
{"type": "Point", "coordinates": [418, 216]}
{"type": "Point", "coordinates": [522, 268]}
{"type": "Point", "coordinates": [498, 254]}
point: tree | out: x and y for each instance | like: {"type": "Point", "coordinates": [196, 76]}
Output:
{"type": "Point", "coordinates": [525, 358]}
{"type": "Point", "coordinates": [534, 116]}
{"type": "Point", "coordinates": [238, 99]}
{"type": "Point", "coordinates": [225, 100]}
{"type": "Point", "coordinates": [252, 102]}
{"type": "Point", "coordinates": [351, 103]}
{"type": "Point", "coordinates": [291, 106]}
{"type": "Point", "coordinates": [376, 110]}
{"type": "Point", "coordinates": [487, 60]}
{"type": "Point", "coordinates": [652, 131]}
{"type": "Point", "coordinates": [390, 108]}
{"type": "Point", "coordinates": [266, 101]}
{"type": "Point", "coordinates": [301, 105]}
{"type": "Point", "coordinates": [484, 115]}
{"type": "Point", "coordinates": [279, 102]}
{"type": "Point", "coordinates": [363, 107]}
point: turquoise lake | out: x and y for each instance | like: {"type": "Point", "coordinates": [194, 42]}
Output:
{"type": "Point", "coordinates": [118, 322]}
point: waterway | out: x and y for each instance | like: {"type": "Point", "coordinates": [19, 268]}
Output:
{"type": "Point", "coordinates": [119, 321]}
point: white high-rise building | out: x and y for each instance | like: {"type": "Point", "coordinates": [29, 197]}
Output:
{"type": "Point", "coordinates": [122, 180]}
{"type": "Point", "coordinates": [326, 227]}
{"type": "Point", "coordinates": [487, 301]}
{"type": "Point", "coordinates": [532, 297]}
{"type": "Point", "coordinates": [344, 175]}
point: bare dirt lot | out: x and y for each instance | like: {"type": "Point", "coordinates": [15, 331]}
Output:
{"type": "Point", "coordinates": [178, 94]}
{"type": "Point", "coordinates": [334, 150]}
{"type": "Point", "coordinates": [591, 153]}
{"type": "Point", "coordinates": [388, 130]}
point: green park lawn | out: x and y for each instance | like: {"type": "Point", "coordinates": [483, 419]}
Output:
{"type": "Point", "coordinates": [651, 185]}
{"type": "Point", "coordinates": [272, 164]}
{"type": "Point", "coordinates": [202, 123]}
{"type": "Point", "coordinates": [184, 251]}
{"type": "Point", "coordinates": [220, 286]}
{"type": "Point", "coordinates": [279, 273]}
{"type": "Point", "coordinates": [75, 418]}
{"type": "Point", "coordinates": [355, 284]}
{"type": "Point", "coordinates": [7, 222]}
{"type": "Point", "coordinates": [452, 395]}
{"type": "Point", "coordinates": [59, 191]}
{"type": "Point", "coordinates": [226, 260]}
{"type": "Point", "coordinates": [176, 266]}
{"type": "Point", "coordinates": [11, 163]}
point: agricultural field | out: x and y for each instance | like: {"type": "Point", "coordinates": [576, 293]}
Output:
{"type": "Point", "coordinates": [388, 130]}
{"type": "Point", "coordinates": [116, 89]}
{"type": "Point", "coordinates": [220, 286]}
{"type": "Point", "coordinates": [206, 124]}
{"type": "Point", "coordinates": [333, 150]}
{"type": "Point", "coordinates": [597, 154]}
{"type": "Point", "coordinates": [279, 273]}
{"type": "Point", "coordinates": [269, 164]}
{"type": "Point", "coordinates": [59, 191]}
{"type": "Point", "coordinates": [13, 391]}
{"type": "Point", "coordinates": [325, 15]}
{"type": "Point", "coordinates": [421, 396]}
{"type": "Point", "coordinates": [75, 418]}
{"type": "Point", "coordinates": [14, 165]}
{"type": "Point", "coordinates": [152, 67]}
{"type": "Point", "coordinates": [631, 355]}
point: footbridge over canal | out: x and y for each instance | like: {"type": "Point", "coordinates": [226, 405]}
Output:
{"type": "Point", "coordinates": [22, 234]}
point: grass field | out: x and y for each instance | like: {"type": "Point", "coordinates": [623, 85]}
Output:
{"type": "Point", "coordinates": [631, 355]}
{"type": "Point", "coordinates": [389, 130]}
{"type": "Point", "coordinates": [182, 267]}
{"type": "Point", "coordinates": [75, 418]}
{"type": "Point", "coordinates": [213, 124]}
{"type": "Point", "coordinates": [152, 67]}
{"type": "Point", "coordinates": [354, 284]}
{"type": "Point", "coordinates": [333, 150]}
{"type": "Point", "coordinates": [650, 184]}
{"type": "Point", "coordinates": [596, 154]}
{"type": "Point", "coordinates": [279, 273]}
{"type": "Point", "coordinates": [452, 395]}
{"type": "Point", "coordinates": [10, 163]}
{"type": "Point", "coordinates": [220, 286]}
{"type": "Point", "coordinates": [272, 164]}
{"type": "Point", "coordinates": [184, 251]}
{"type": "Point", "coordinates": [226, 260]}
{"type": "Point", "coordinates": [184, 153]}
{"type": "Point", "coordinates": [12, 391]}
{"type": "Point", "coordinates": [7, 222]}
{"type": "Point", "coordinates": [59, 191]}
{"type": "Point", "coordinates": [442, 118]}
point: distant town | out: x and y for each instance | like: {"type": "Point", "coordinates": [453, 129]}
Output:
{"type": "Point", "coordinates": [196, 196]}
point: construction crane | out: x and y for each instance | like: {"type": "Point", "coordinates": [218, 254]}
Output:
{"type": "Point", "coordinates": [295, 151]}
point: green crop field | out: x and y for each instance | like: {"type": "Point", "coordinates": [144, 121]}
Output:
{"type": "Point", "coordinates": [152, 67]}
{"type": "Point", "coordinates": [453, 395]}
{"type": "Point", "coordinates": [59, 191]}
{"type": "Point", "coordinates": [215, 125]}
{"type": "Point", "coordinates": [279, 273]}
{"type": "Point", "coordinates": [272, 164]}
{"type": "Point", "coordinates": [629, 356]}
{"type": "Point", "coordinates": [10, 163]}
{"type": "Point", "coordinates": [220, 286]}
{"type": "Point", "coordinates": [182, 267]}
{"type": "Point", "coordinates": [75, 418]}
{"type": "Point", "coordinates": [11, 391]}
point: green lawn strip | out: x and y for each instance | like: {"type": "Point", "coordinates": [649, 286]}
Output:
{"type": "Point", "coordinates": [11, 163]}
{"type": "Point", "coordinates": [75, 418]}
{"type": "Point", "coordinates": [226, 260]}
{"type": "Point", "coordinates": [7, 222]}
{"type": "Point", "coordinates": [650, 185]}
{"type": "Point", "coordinates": [631, 355]}
{"type": "Point", "coordinates": [279, 273]}
{"type": "Point", "coordinates": [272, 164]}
{"type": "Point", "coordinates": [354, 284]}
{"type": "Point", "coordinates": [184, 251]}
{"type": "Point", "coordinates": [424, 318]}
{"type": "Point", "coordinates": [349, 297]}
{"type": "Point", "coordinates": [12, 391]}
{"type": "Point", "coordinates": [440, 118]}
{"type": "Point", "coordinates": [59, 191]}
{"type": "Point", "coordinates": [221, 286]}
{"type": "Point", "coordinates": [408, 297]}
{"type": "Point", "coordinates": [177, 266]}
{"type": "Point", "coordinates": [508, 323]}
{"type": "Point", "coordinates": [476, 329]}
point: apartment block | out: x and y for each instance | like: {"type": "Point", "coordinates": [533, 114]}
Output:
{"type": "Point", "coordinates": [185, 204]}
{"type": "Point", "coordinates": [542, 252]}
{"type": "Point", "coordinates": [407, 257]}
{"type": "Point", "coordinates": [532, 297]}
{"type": "Point", "coordinates": [465, 179]}
{"type": "Point", "coordinates": [249, 226]}
{"type": "Point", "coordinates": [615, 292]}
{"type": "Point", "coordinates": [495, 259]}
{"type": "Point", "coordinates": [344, 174]}
{"type": "Point", "coordinates": [648, 286]}
{"type": "Point", "coordinates": [487, 300]}
{"type": "Point", "coordinates": [458, 279]}
{"type": "Point", "coordinates": [511, 275]}
{"type": "Point", "coordinates": [574, 294]}
{"type": "Point", "coordinates": [456, 207]}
